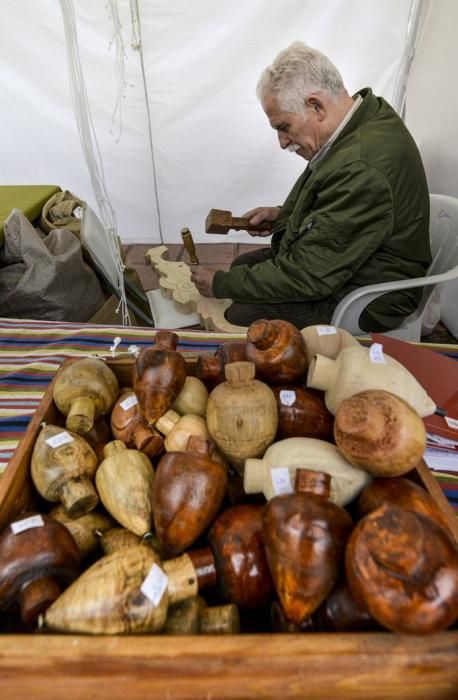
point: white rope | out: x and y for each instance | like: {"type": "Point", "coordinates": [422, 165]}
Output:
{"type": "Point", "coordinates": [91, 149]}
{"type": "Point", "coordinates": [120, 62]}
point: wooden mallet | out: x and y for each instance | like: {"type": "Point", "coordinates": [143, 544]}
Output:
{"type": "Point", "coordinates": [221, 221]}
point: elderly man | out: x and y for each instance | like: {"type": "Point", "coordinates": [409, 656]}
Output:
{"type": "Point", "coordinates": [359, 213]}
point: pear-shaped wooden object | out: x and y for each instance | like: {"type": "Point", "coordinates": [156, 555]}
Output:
{"type": "Point", "coordinates": [63, 466]}
{"type": "Point", "coordinates": [128, 425]}
{"type": "Point", "coordinates": [281, 624]}
{"type": "Point", "coordinates": [159, 376]}
{"type": "Point", "coordinates": [34, 563]}
{"type": "Point", "coordinates": [192, 398]}
{"type": "Point", "coordinates": [83, 390]}
{"type": "Point", "coordinates": [278, 351]}
{"type": "Point", "coordinates": [125, 481]}
{"type": "Point", "coordinates": [240, 559]}
{"type": "Point", "coordinates": [188, 493]}
{"type": "Point", "coordinates": [356, 369]}
{"type": "Point", "coordinates": [107, 597]}
{"type": "Point", "coordinates": [118, 537]}
{"type": "Point", "coordinates": [210, 368]}
{"type": "Point", "coordinates": [242, 414]}
{"type": "Point", "coordinates": [178, 429]}
{"type": "Point", "coordinates": [342, 612]}
{"type": "Point", "coordinates": [326, 340]}
{"type": "Point", "coordinates": [403, 493]}
{"type": "Point", "coordinates": [309, 453]}
{"type": "Point", "coordinates": [404, 568]}
{"type": "Point", "coordinates": [305, 535]}
{"type": "Point", "coordinates": [84, 529]}
{"type": "Point", "coordinates": [302, 413]}
{"type": "Point", "coordinates": [379, 432]}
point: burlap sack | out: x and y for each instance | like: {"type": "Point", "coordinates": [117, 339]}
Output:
{"type": "Point", "coordinates": [58, 212]}
{"type": "Point", "coordinates": [45, 278]}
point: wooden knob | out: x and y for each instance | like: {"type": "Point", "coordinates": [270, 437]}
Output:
{"type": "Point", "coordinates": [278, 351]}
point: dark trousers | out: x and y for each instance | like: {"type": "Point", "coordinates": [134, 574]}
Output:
{"type": "Point", "coordinates": [299, 313]}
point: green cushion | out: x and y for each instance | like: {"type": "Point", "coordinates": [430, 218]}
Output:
{"type": "Point", "coordinates": [30, 199]}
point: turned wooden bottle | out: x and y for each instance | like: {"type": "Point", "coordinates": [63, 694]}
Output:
{"type": "Point", "coordinates": [379, 432]}
{"type": "Point", "coordinates": [129, 426]}
{"type": "Point", "coordinates": [278, 351]}
{"type": "Point", "coordinates": [296, 453]}
{"type": "Point", "coordinates": [84, 390]}
{"type": "Point", "coordinates": [404, 568]}
{"type": "Point", "coordinates": [83, 529]}
{"type": "Point", "coordinates": [305, 535]}
{"type": "Point", "coordinates": [189, 489]}
{"type": "Point", "coordinates": [118, 537]}
{"type": "Point", "coordinates": [210, 368]}
{"type": "Point", "coordinates": [242, 414]}
{"type": "Point", "coordinates": [326, 340]}
{"type": "Point", "coordinates": [193, 616]}
{"type": "Point", "coordinates": [62, 467]}
{"type": "Point", "coordinates": [403, 493]}
{"type": "Point", "coordinates": [192, 398]}
{"type": "Point", "coordinates": [38, 557]}
{"type": "Point", "coordinates": [159, 376]}
{"type": "Point", "coordinates": [358, 369]}
{"type": "Point", "coordinates": [342, 612]}
{"type": "Point", "coordinates": [125, 481]}
{"type": "Point", "coordinates": [302, 413]}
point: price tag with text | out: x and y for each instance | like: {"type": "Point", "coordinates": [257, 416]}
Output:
{"type": "Point", "coordinates": [376, 354]}
{"type": "Point", "coordinates": [281, 480]}
{"type": "Point", "coordinates": [326, 330]}
{"type": "Point", "coordinates": [60, 439]}
{"type": "Point", "coordinates": [129, 402]}
{"type": "Point", "coordinates": [287, 397]}
{"type": "Point", "coordinates": [451, 422]}
{"type": "Point", "coordinates": [155, 584]}
{"type": "Point", "coordinates": [27, 524]}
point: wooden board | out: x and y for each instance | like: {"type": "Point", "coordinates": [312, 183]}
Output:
{"type": "Point", "coordinates": [369, 665]}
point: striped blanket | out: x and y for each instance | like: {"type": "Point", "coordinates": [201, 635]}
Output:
{"type": "Point", "coordinates": [32, 351]}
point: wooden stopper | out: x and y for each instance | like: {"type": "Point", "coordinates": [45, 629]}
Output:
{"type": "Point", "coordinates": [36, 597]}
{"type": "Point", "coordinates": [166, 422]}
{"type": "Point", "coordinates": [322, 373]}
{"type": "Point", "coordinates": [308, 481]}
{"type": "Point", "coordinates": [113, 447]}
{"type": "Point", "coordinates": [78, 497]}
{"type": "Point", "coordinates": [262, 334]}
{"type": "Point", "coordinates": [183, 582]}
{"type": "Point", "coordinates": [81, 416]}
{"type": "Point", "coordinates": [184, 618]}
{"type": "Point", "coordinates": [239, 372]}
{"type": "Point", "coordinates": [220, 619]}
{"type": "Point", "coordinates": [204, 566]}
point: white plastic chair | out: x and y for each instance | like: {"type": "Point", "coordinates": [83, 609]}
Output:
{"type": "Point", "coordinates": [443, 230]}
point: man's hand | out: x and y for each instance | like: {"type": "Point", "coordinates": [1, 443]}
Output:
{"type": "Point", "coordinates": [202, 276]}
{"type": "Point", "coordinates": [260, 214]}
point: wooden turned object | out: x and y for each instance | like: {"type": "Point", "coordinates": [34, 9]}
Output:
{"type": "Point", "coordinates": [129, 426]}
{"type": "Point", "coordinates": [379, 432]}
{"type": "Point", "coordinates": [342, 612]}
{"type": "Point", "coordinates": [189, 246]}
{"type": "Point", "coordinates": [83, 391]}
{"type": "Point", "coordinates": [240, 560]}
{"type": "Point", "coordinates": [116, 538]}
{"type": "Point", "coordinates": [305, 536]}
{"type": "Point", "coordinates": [192, 398]}
{"type": "Point", "coordinates": [159, 376]}
{"type": "Point", "coordinates": [278, 351]}
{"type": "Point", "coordinates": [404, 568]}
{"type": "Point", "coordinates": [302, 413]}
{"type": "Point", "coordinates": [222, 221]}
{"type": "Point", "coordinates": [34, 565]}
{"type": "Point", "coordinates": [242, 414]}
{"type": "Point", "coordinates": [65, 473]}
{"type": "Point", "coordinates": [281, 624]}
{"type": "Point", "coordinates": [188, 493]}
{"type": "Point", "coordinates": [193, 616]}
{"type": "Point", "coordinates": [85, 529]}
{"type": "Point", "coordinates": [99, 435]}
{"type": "Point", "coordinates": [403, 493]}
{"type": "Point", "coordinates": [328, 344]}
{"type": "Point", "coordinates": [125, 481]}
{"type": "Point", "coordinates": [210, 368]}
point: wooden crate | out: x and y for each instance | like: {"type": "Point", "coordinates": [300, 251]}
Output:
{"type": "Point", "coordinates": [317, 665]}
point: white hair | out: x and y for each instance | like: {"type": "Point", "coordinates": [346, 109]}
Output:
{"type": "Point", "coordinates": [295, 73]}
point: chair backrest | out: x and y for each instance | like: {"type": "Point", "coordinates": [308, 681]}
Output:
{"type": "Point", "coordinates": [443, 233]}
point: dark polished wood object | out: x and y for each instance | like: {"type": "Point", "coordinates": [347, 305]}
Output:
{"type": "Point", "coordinates": [302, 413]}
{"type": "Point", "coordinates": [210, 368]}
{"type": "Point", "coordinates": [129, 425]}
{"type": "Point", "coordinates": [277, 348]}
{"type": "Point", "coordinates": [342, 612]}
{"type": "Point", "coordinates": [222, 221]}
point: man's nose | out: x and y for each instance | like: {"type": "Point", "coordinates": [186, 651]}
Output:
{"type": "Point", "coordinates": [283, 140]}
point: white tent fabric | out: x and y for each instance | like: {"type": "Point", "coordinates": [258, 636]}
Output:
{"type": "Point", "coordinates": [213, 146]}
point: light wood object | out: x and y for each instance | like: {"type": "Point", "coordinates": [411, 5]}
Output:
{"type": "Point", "coordinates": [326, 340]}
{"type": "Point", "coordinates": [354, 371]}
{"type": "Point", "coordinates": [305, 453]}
{"type": "Point", "coordinates": [192, 398]}
{"type": "Point", "coordinates": [222, 221]}
{"type": "Point", "coordinates": [178, 429]}
{"type": "Point", "coordinates": [84, 529]}
{"type": "Point", "coordinates": [118, 537]}
{"type": "Point", "coordinates": [175, 284]}
{"type": "Point", "coordinates": [271, 666]}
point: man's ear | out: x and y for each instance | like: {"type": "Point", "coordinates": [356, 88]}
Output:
{"type": "Point", "coordinates": [314, 103]}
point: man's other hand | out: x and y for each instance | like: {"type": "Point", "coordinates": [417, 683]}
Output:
{"type": "Point", "coordinates": [260, 214]}
{"type": "Point", "coordinates": [202, 276]}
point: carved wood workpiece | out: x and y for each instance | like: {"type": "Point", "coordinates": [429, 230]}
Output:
{"type": "Point", "coordinates": [175, 284]}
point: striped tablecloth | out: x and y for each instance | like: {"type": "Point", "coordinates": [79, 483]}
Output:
{"type": "Point", "coordinates": [32, 351]}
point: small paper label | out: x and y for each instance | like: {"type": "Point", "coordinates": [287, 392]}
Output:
{"type": "Point", "coordinates": [376, 354]}
{"type": "Point", "coordinates": [60, 439]}
{"type": "Point", "coordinates": [281, 480]}
{"type": "Point", "coordinates": [129, 402]}
{"type": "Point", "coordinates": [287, 397]}
{"type": "Point", "coordinates": [27, 524]}
{"type": "Point", "coordinates": [451, 422]}
{"type": "Point", "coordinates": [155, 585]}
{"type": "Point", "coordinates": [326, 330]}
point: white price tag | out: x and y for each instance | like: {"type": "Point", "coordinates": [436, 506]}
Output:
{"type": "Point", "coordinates": [287, 397]}
{"type": "Point", "coordinates": [376, 354]}
{"type": "Point", "coordinates": [155, 584]}
{"type": "Point", "coordinates": [326, 330]}
{"type": "Point", "coordinates": [60, 439]}
{"type": "Point", "coordinates": [451, 422]}
{"type": "Point", "coordinates": [27, 524]}
{"type": "Point", "coordinates": [281, 480]}
{"type": "Point", "coordinates": [129, 402]}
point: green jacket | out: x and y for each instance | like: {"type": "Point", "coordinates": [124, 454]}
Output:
{"type": "Point", "coordinates": [360, 217]}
